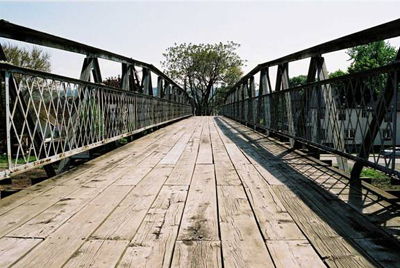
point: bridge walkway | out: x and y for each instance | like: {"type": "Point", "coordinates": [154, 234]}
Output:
{"type": "Point", "coordinates": [202, 192]}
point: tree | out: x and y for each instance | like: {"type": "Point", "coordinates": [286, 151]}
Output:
{"type": "Point", "coordinates": [337, 73]}
{"type": "Point", "coordinates": [370, 56]}
{"type": "Point", "coordinates": [113, 81]}
{"type": "Point", "coordinates": [298, 81]}
{"type": "Point", "coordinates": [204, 71]}
{"type": "Point", "coordinates": [365, 57]}
{"type": "Point", "coordinates": [35, 58]}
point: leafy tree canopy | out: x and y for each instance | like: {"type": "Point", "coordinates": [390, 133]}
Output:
{"type": "Point", "coordinates": [298, 80]}
{"type": "Point", "coordinates": [204, 70]}
{"type": "Point", "coordinates": [34, 58]}
{"type": "Point", "coordinates": [370, 56]}
{"type": "Point", "coordinates": [337, 73]}
{"type": "Point", "coordinates": [362, 58]}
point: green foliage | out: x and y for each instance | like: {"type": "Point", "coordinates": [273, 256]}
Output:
{"type": "Point", "coordinates": [372, 173]}
{"type": "Point", "coordinates": [199, 68]}
{"type": "Point", "coordinates": [365, 57]}
{"type": "Point", "coordinates": [337, 73]}
{"type": "Point", "coordinates": [20, 160]}
{"type": "Point", "coordinates": [34, 58]}
{"type": "Point", "coordinates": [298, 81]}
{"type": "Point", "coordinates": [370, 56]}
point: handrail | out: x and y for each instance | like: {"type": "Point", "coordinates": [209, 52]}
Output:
{"type": "Point", "coordinates": [5, 66]}
{"type": "Point", "coordinates": [307, 113]}
{"type": "Point", "coordinates": [384, 31]}
{"type": "Point", "coordinates": [16, 32]}
{"type": "Point", "coordinates": [50, 117]}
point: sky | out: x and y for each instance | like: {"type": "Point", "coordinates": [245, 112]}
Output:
{"type": "Point", "coordinates": [143, 30]}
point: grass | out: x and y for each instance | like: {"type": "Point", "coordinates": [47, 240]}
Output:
{"type": "Point", "coordinates": [373, 174]}
{"type": "Point", "coordinates": [4, 161]}
{"type": "Point", "coordinates": [378, 179]}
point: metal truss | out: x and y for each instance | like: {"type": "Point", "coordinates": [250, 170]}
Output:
{"type": "Point", "coordinates": [50, 117]}
{"type": "Point", "coordinates": [354, 116]}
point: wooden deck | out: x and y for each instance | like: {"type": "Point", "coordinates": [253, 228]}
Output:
{"type": "Point", "coordinates": [203, 192]}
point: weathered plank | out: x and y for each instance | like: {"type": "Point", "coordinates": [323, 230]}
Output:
{"type": "Point", "coordinates": [50, 219]}
{"type": "Point", "coordinates": [299, 171]}
{"type": "Point", "coordinates": [154, 242]}
{"type": "Point", "coordinates": [175, 153]}
{"type": "Point", "coordinates": [97, 253]}
{"type": "Point", "coordinates": [200, 219]}
{"type": "Point", "coordinates": [19, 215]}
{"type": "Point", "coordinates": [351, 223]}
{"type": "Point", "coordinates": [205, 155]}
{"type": "Point", "coordinates": [294, 253]}
{"type": "Point", "coordinates": [242, 242]}
{"type": "Point", "coordinates": [382, 250]}
{"type": "Point", "coordinates": [124, 221]}
{"type": "Point", "coordinates": [61, 245]}
{"type": "Point", "coordinates": [197, 254]}
{"type": "Point", "coordinates": [183, 171]}
{"type": "Point", "coordinates": [47, 221]}
{"type": "Point", "coordinates": [252, 156]}
{"type": "Point", "coordinates": [224, 169]}
{"type": "Point", "coordinates": [274, 220]}
{"type": "Point", "coordinates": [361, 198]}
{"type": "Point", "coordinates": [12, 249]}
{"type": "Point", "coordinates": [322, 233]}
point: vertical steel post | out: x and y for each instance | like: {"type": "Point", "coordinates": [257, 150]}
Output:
{"type": "Point", "coordinates": [8, 123]}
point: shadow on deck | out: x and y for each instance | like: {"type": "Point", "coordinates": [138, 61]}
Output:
{"type": "Point", "coordinates": [363, 219]}
{"type": "Point", "coordinates": [202, 192]}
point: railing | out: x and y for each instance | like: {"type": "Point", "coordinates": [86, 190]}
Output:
{"type": "Point", "coordinates": [49, 117]}
{"type": "Point", "coordinates": [355, 116]}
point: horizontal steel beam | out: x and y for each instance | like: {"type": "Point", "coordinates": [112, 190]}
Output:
{"type": "Point", "coordinates": [380, 32]}
{"type": "Point", "coordinates": [16, 32]}
{"type": "Point", "coordinates": [4, 66]}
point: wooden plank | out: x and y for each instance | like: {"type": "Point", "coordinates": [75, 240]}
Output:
{"type": "Point", "coordinates": [118, 168]}
{"type": "Point", "coordinates": [134, 176]}
{"type": "Point", "coordinates": [294, 253]}
{"type": "Point", "coordinates": [205, 152]}
{"type": "Point", "coordinates": [127, 217]}
{"type": "Point", "coordinates": [197, 254]}
{"type": "Point", "coordinates": [12, 249]}
{"type": "Point", "coordinates": [252, 156]}
{"type": "Point", "coordinates": [61, 245]}
{"type": "Point", "coordinates": [275, 222]}
{"type": "Point", "coordinates": [17, 199]}
{"type": "Point", "coordinates": [154, 242]}
{"type": "Point", "coordinates": [92, 166]}
{"type": "Point", "coordinates": [98, 253]}
{"type": "Point", "coordinates": [361, 200]}
{"type": "Point", "coordinates": [20, 215]}
{"type": "Point", "coordinates": [47, 221]}
{"type": "Point", "coordinates": [133, 151]}
{"type": "Point", "coordinates": [385, 251]}
{"type": "Point", "coordinates": [224, 169]}
{"type": "Point", "coordinates": [200, 219]}
{"type": "Point", "coordinates": [50, 219]}
{"type": "Point", "coordinates": [351, 223]}
{"type": "Point", "coordinates": [183, 171]}
{"type": "Point", "coordinates": [242, 242]}
{"type": "Point", "coordinates": [336, 251]}
{"type": "Point", "coordinates": [175, 153]}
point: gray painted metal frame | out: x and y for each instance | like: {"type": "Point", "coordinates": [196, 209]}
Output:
{"type": "Point", "coordinates": [97, 114]}
{"type": "Point", "coordinates": [321, 103]}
